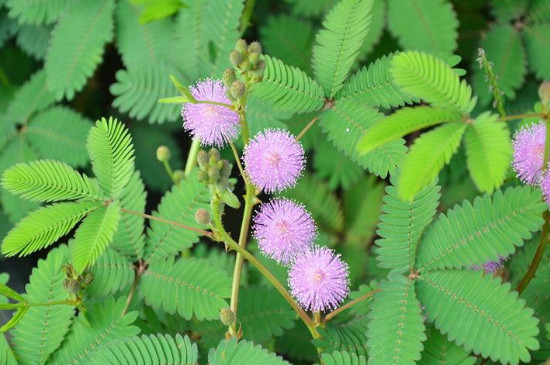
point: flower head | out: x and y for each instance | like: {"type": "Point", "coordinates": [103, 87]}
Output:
{"type": "Point", "coordinates": [318, 279]}
{"type": "Point", "coordinates": [274, 160]}
{"type": "Point", "coordinates": [212, 124]}
{"type": "Point", "coordinates": [529, 143]}
{"type": "Point", "coordinates": [284, 230]}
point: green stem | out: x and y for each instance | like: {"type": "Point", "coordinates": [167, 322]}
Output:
{"type": "Point", "coordinates": [544, 239]}
{"type": "Point", "coordinates": [169, 171]}
{"type": "Point", "coordinates": [214, 103]}
{"type": "Point", "coordinates": [192, 157]}
{"type": "Point", "coordinates": [306, 128]}
{"type": "Point", "coordinates": [247, 14]}
{"type": "Point", "coordinates": [238, 162]}
{"type": "Point", "coordinates": [139, 272]}
{"type": "Point", "coordinates": [202, 232]}
{"type": "Point", "coordinates": [348, 305]}
{"type": "Point", "coordinates": [47, 304]}
{"type": "Point", "coordinates": [521, 116]}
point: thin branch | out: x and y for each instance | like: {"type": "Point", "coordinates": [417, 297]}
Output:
{"type": "Point", "coordinates": [521, 116]}
{"type": "Point", "coordinates": [238, 160]}
{"type": "Point", "coordinates": [139, 272]}
{"type": "Point", "coordinates": [331, 315]}
{"type": "Point", "coordinates": [306, 128]}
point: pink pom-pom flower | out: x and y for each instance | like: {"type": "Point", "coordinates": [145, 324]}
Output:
{"type": "Point", "coordinates": [529, 143]}
{"type": "Point", "coordinates": [274, 160]}
{"type": "Point", "coordinates": [318, 279]}
{"type": "Point", "coordinates": [284, 230]}
{"type": "Point", "coordinates": [212, 124]}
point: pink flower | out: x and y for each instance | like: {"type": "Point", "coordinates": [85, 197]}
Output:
{"type": "Point", "coordinates": [545, 187]}
{"type": "Point", "coordinates": [212, 124]}
{"type": "Point", "coordinates": [529, 144]}
{"type": "Point", "coordinates": [274, 160]}
{"type": "Point", "coordinates": [318, 279]}
{"type": "Point", "coordinates": [284, 230]}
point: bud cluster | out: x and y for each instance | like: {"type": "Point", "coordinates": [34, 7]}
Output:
{"type": "Point", "coordinates": [74, 283]}
{"type": "Point", "coordinates": [247, 67]}
{"type": "Point", "coordinates": [216, 172]}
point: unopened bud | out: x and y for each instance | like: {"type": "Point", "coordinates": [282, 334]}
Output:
{"type": "Point", "coordinates": [178, 176]}
{"type": "Point", "coordinates": [241, 46]}
{"type": "Point", "coordinates": [72, 286]}
{"type": "Point", "coordinates": [226, 169]}
{"type": "Point", "coordinates": [202, 159]}
{"type": "Point", "coordinates": [228, 77]}
{"type": "Point", "coordinates": [237, 89]}
{"type": "Point", "coordinates": [213, 156]}
{"type": "Point", "coordinates": [203, 176]}
{"type": "Point", "coordinates": [253, 59]}
{"type": "Point", "coordinates": [544, 93]}
{"type": "Point", "coordinates": [213, 174]}
{"type": "Point", "coordinates": [236, 58]}
{"type": "Point", "coordinates": [227, 317]}
{"type": "Point", "coordinates": [202, 216]}
{"type": "Point", "coordinates": [87, 278]}
{"type": "Point", "coordinates": [255, 48]}
{"type": "Point", "coordinates": [163, 154]}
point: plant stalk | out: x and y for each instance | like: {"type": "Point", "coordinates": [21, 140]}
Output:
{"type": "Point", "coordinates": [192, 157]}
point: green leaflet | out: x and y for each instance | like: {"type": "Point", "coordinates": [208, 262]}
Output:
{"type": "Point", "coordinates": [77, 45]}
{"type": "Point", "coordinates": [94, 235]}
{"type": "Point", "coordinates": [335, 167]}
{"type": "Point", "coordinates": [376, 29]}
{"type": "Point", "coordinates": [287, 88]}
{"type": "Point", "coordinates": [112, 272]}
{"type": "Point", "coordinates": [112, 154]}
{"type": "Point", "coordinates": [6, 353]}
{"type": "Point", "coordinates": [396, 332]}
{"type": "Point", "coordinates": [42, 329]}
{"type": "Point", "coordinates": [425, 25]}
{"type": "Point", "coordinates": [401, 226]}
{"type": "Point", "coordinates": [432, 80]}
{"type": "Point", "coordinates": [338, 43]}
{"type": "Point", "coordinates": [342, 358]}
{"type": "Point", "coordinates": [189, 287]}
{"type": "Point", "coordinates": [34, 39]}
{"type": "Point", "coordinates": [536, 43]}
{"type": "Point", "coordinates": [348, 336]}
{"type": "Point", "coordinates": [493, 322]}
{"type": "Point", "coordinates": [474, 234]}
{"type": "Point", "coordinates": [427, 156]}
{"type": "Point", "coordinates": [44, 226]}
{"type": "Point", "coordinates": [296, 343]}
{"type": "Point", "coordinates": [403, 122]}
{"type": "Point", "coordinates": [101, 324]}
{"type": "Point", "coordinates": [231, 352]}
{"type": "Point", "coordinates": [438, 350]}
{"type": "Point", "coordinates": [539, 11]}
{"type": "Point", "coordinates": [489, 151]}
{"type": "Point", "coordinates": [49, 181]}
{"type": "Point", "coordinates": [36, 11]}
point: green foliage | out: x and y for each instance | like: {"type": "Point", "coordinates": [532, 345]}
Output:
{"type": "Point", "coordinates": [439, 350]}
{"type": "Point", "coordinates": [427, 157]}
{"type": "Point", "coordinates": [401, 226]}
{"type": "Point", "coordinates": [536, 42]}
{"type": "Point", "coordinates": [287, 88]}
{"type": "Point", "coordinates": [335, 167]}
{"type": "Point", "coordinates": [34, 39]}
{"type": "Point", "coordinates": [112, 272]}
{"type": "Point", "coordinates": [189, 287]}
{"type": "Point", "coordinates": [36, 11]}
{"type": "Point", "coordinates": [396, 331]}
{"type": "Point", "coordinates": [494, 323]}
{"type": "Point", "coordinates": [77, 45]}
{"type": "Point", "coordinates": [349, 336]}
{"type": "Point", "coordinates": [431, 80]}
{"type": "Point", "coordinates": [231, 352]}
{"type": "Point", "coordinates": [338, 43]}
{"type": "Point", "coordinates": [6, 353]}
{"type": "Point", "coordinates": [428, 25]}
{"type": "Point", "coordinates": [489, 151]}
{"type": "Point", "coordinates": [342, 358]}
{"type": "Point", "coordinates": [42, 329]}
{"type": "Point", "coordinates": [474, 234]}
{"type": "Point", "coordinates": [147, 350]}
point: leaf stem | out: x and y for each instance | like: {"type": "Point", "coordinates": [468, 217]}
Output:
{"type": "Point", "coordinates": [47, 304]}
{"type": "Point", "coordinates": [169, 170]}
{"type": "Point", "coordinates": [521, 116]}
{"type": "Point", "coordinates": [228, 106]}
{"type": "Point", "coordinates": [192, 157]}
{"type": "Point", "coordinates": [238, 161]}
{"type": "Point", "coordinates": [139, 272]}
{"type": "Point", "coordinates": [350, 304]}
{"type": "Point", "coordinates": [307, 128]}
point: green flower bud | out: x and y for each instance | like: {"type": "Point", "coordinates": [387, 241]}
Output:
{"type": "Point", "coordinates": [255, 48]}
{"type": "Point", "coordinates": [227, 317]}
{"type": "Point", "coordinates": [225, 169]}
{"type": "Point", "coordinates": [228, 77]}
{"type": "Point", "coordinates": [237, 89]}
{"type": "Point", "coordinates": [179, 175]}
{"type": "Point", "coordinates": [202, 159]}
{"type": "Point", "coordinates": [163, 154]}
{"type": "Point", "coordinates": [72, 286]}
{"type": "Point", "coordinates": [253, 59]}
{"type": "Point", "coordinates": [213, 156]}
{"type": "Point", "coordinates": [544, 93]}
{"type": "Point", "coordinates": [203, 176]}
{"type": "Point", "coordinates": [202, 216]}
{"type": "Point", "coordinates": [213, 174]}
{"type": "Point", "coordinates": [241, 46]}
{"type": "Point", "coordinates": [236, 58]}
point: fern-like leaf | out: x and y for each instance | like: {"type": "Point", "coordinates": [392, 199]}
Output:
{"type": "Point", "coordinates": [474, 234]}
{"type": "Point", "coordinates": [231, 352]}
{"type": "Point", "coordinates": [180, 204]}
{"type": "Point", "coordinates": [342, 358]}
{"type": "Point", "coordinates": [44, 226]}
{"type": "Point", "coordinates": [425, 25]}
{"type": "Point", "coordinates": [427, 157]}
{"type": "Point", "coordinates": [334, 166]}
{"type": "Point", "coordinates": [373, 86]}
{"type": "Point", "coordinates": [112, 272]}
{"type": "Point", "coordinates": [431, 79]}
{"type": "Point", "coordinates": [401, 226]}
{"type": "Point", "coordinates": [112, 153]}
{"type": "Point", "coordinates": [102, 323]}
{"type": "Point", "coordinates": [287, 88]}
{"type": "Point", "coordinates": [438, 350]}
{"type": "Point", "coordinates": [60, 133]}
{"type": "Point", "coordinates": [42, 329]}
{"type": "Point", "coordinates": [396, 330]}
{"type": "Point", "coordinates": [36, 11]}
{"type": "Point", "coordinates": [346, 123]}
{"type": "Point", "coordinates": [403, 122]}
{"type": "Point", "coordinates": [489, 151]}
{"type": "Point", "coordinates": [94, 235]}
{"type": "Point", "coordinates": [338, 43]}
{"type": "Point", "coordinates": [6, 353]}
{"type": "Point", "coordinates": [147, 350]}
{"type": "Point", "coordinates": [349, 336]}
{"type": "Point", "coordinates": [189, 287]}
{"type": "Point", "coordinates": [49, 181]}
{"type": "Point", "coordinates": [539, 11]}
{"type": "Point", "coordinates": [493, 321]}
{"type": "Point", "coordinates": [536, 42]}
{"type": "Point", "coordinates": [34, 39]}
{"type": "Point", "coordinates": [77, 45]}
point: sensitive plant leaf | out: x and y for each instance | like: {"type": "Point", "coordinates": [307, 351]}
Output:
{"type": "Point", "coordinates": [43, 328]}
{"type": "Point", "coordinates": [338, 43]}
{"type": "Point", "coordinates": [94, 235]}
{"type": "Point", "coordinates": [539, 11]}
{"type": "Point", "coordinates": [474, 234]}
{"type": "Point", "coordinates": [348, 336]}
{"type": "Point", "coordinates": [335, 167]}
{"type": "Point", "coordinates": [14, 320]}
{"type": "Point", "coordinates": [374, 86]}
{"type": "Point", "coordinates": [493, 321]}
{"type": "Point", "coordinates": [112, 154]}
{"type": "Point", "coordinates": [49, 181]}
{"type": "Point", "coordinates": [401, 226]}
{"type": "Point", "coordinates": [426, 25]}
{"type": "Point", "coordinates": [536, 42]}
{"type": "Point", "coordinates": [311, 9]}
{"type": "Point", "coordinates": [287, 88]}
{"type": "Point", "coordinates": [34, 40]}
{"type": "Point", "coordinates": [296, 344]}
{"type": "Point", "coordinates": [147, 350]}
{"type": "Point", "coordinates": [6, 353]}
{"type": "Point", "coordinates": [8, 292]}
{"type": "Point", "coordinates": [260, 116]}
{"type": "Point", "coordinates": [396, 330]}
{"type": "Point", "coordinates": [427, 156]}
{"type": "Point", "coordinates": [44, 226]}
{"type": "Point", "coordinates": [112, 272]}
{"type": "Point", "coordinates": [432, 80]}
{"type": "Point", "coordinates": [231, 352]}
{"type": "Point", "coordinates": [189, 287]}
{"type": "Point", "coordinates": [36, 11]}
{"type": "Point", "coordinates": [77, 45]}
{"type": "Point", "coordinates": [376, 29]}
{"type": "Point", "coordinates": [489, 151]}
{"type": "Point", "coordinates": [342, 358]}
{"type": "Point", "coordinates": [403, 122]}
{"type": "Point", "coordinates": [438, 350]}
{"type": "Point", "coordinates": [508, 10]}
